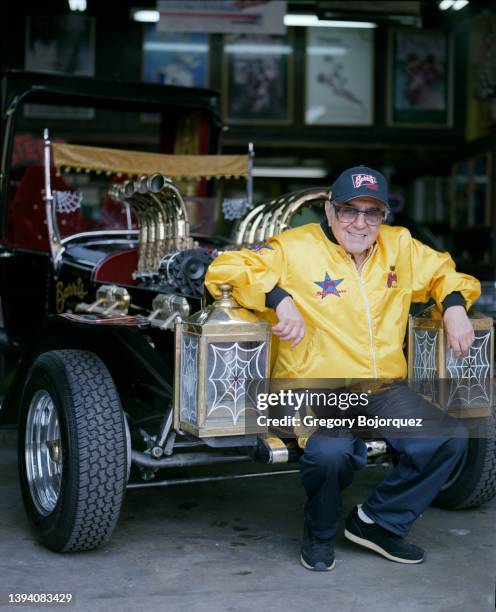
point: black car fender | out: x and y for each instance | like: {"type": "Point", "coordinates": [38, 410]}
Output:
{"type": "Point", "coordinates": [127, 349]}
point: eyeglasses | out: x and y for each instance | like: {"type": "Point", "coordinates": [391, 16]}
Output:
{"type": "Point", "coordinates": [349, 214]}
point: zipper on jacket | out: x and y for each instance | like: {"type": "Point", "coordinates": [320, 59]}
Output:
{"type": "Point", "coordinates": [367, 307]}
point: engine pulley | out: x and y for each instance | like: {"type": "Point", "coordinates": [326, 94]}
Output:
{"type": "Point", "coordinates": [185, 270]}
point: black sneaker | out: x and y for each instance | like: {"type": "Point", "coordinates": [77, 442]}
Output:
{"type": "Point", "coordinates": [380, 540]}
{"type": "Point", "coordinates": [316, 554]}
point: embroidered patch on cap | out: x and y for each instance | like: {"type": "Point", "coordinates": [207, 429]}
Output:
{"type": "Point", "coordinates": [368, 180]}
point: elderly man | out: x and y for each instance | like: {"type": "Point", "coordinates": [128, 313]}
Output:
{"type": "Point", "coordinates": [342, 292]}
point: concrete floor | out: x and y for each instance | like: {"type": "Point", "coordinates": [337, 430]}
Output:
{"type": "Point", "coordinates": [233, 546]}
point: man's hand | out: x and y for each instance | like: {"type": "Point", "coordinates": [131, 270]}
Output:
{"type": "Point", "coordinates": [459, 330]}
{"type": "Point", "coordinates": [291, 325]}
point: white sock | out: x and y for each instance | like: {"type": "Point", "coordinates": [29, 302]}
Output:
{"type": "Point", "coordinates": [363, 516]}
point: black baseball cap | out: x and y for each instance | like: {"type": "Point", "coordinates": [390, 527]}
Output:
{"type": "Point", "coordinates": [357, 182]}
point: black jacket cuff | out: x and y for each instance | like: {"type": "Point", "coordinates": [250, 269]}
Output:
{"type": "Point", "coordinates": [453, 299]}
{"type": "Point", "coordinates": [274, 296]}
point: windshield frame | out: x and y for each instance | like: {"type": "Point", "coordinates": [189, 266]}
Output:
{"type": "Point", "coordinates": [21, 87]}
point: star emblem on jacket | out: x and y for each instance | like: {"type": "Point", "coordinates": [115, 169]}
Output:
{"type": "Point", "coordinates": [329, 286]}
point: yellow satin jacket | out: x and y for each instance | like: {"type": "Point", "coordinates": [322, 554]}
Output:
{"type": "Point", "coordinates": [355, 320]}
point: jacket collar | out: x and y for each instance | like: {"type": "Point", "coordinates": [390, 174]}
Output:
{"type": "Point", "coordinates": [328, 231]}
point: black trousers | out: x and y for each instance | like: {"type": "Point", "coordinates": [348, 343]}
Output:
{"type": "Point", "coordinates": [329, 463]}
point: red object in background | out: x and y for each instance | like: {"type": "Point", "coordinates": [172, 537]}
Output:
{"type": "Point", "coordinates": [28, 149]}
{"type": "Point", "coordinates": [168, 137]}
{"type": "Point", "coordinates": [117, 268]}
{"type": "Point", "coordinates": [26, 218]}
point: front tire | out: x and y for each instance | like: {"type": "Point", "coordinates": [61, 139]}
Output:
{"type": "Point", "coordinates": [72, 451]}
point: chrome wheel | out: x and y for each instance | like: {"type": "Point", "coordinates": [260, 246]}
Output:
{"type": "Point", "coordinates": [43, 450]}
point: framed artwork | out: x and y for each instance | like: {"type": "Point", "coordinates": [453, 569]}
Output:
{"type": "Point", "coordinates": [170, 58]}
{"type": "Point", "coordinates": [64, 44]}
{"type": "Point", "coordinates": [233, 16]}
{"type": "Point", "coordinates": [257, 79]}
{"type": "Point", "coordinates": [420, 79]}
{"type": "Point", "coordinates": [339, 76]}
{"type": "Point", "coordinates": [483, 47]}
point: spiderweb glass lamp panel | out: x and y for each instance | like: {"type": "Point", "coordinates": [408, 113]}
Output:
{"type": "Point", "coordinates": [470, 378]}
{"type": "Point", "coordinates": [425, 361]}
{"type": "Point", "coordinates": [462, 385]}
{"type": "Point", "coordinates": [189, 378]}
{"type": "Point", "coordinates": [233, 369]}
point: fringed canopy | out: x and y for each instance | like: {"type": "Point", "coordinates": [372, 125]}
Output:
{"type": "Point", "coordinates": [117, 161]}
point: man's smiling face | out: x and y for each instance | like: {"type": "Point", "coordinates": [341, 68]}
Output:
{"type": "Point", "coordinates": [355, 237]}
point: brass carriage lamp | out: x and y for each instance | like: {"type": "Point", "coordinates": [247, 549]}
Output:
{"type": "Point", "coordinates": [462, 385]}
{"type": "Point", "coordinates": [222, 362]}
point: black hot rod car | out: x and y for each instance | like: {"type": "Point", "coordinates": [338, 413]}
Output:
{"type": "Point", "coordinates": [105, 346]}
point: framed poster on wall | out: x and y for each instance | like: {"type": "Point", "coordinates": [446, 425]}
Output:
{"type": "Point", "coordinates": [420, 79]}
{"type": "Point", "coordinates": [257, 79]}
{"type": "Point", "coordinates": [171, 58]}
{"type": "Point", "coordinates": [65, 44]}
{"type": "Point", "coordinates": [339, 75]}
